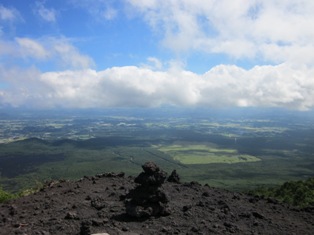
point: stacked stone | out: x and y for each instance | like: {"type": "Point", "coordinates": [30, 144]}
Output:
{"type": "Point", "coordinates": [174, 177]}
{"type": "Point", "coordinates": [148, 199]}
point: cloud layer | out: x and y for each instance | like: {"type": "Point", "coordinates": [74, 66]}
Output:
{"type": "Point", "coordinates": [266, 86]}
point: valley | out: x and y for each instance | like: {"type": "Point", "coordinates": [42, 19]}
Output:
{"type": "Point", "coordinates": [237, 150]}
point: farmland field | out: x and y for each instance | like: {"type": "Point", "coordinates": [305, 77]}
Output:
{"type": "Point", "coordinates": [204, 154]}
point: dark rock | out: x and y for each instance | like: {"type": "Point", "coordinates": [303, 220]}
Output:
{"type": "Point", "coordinates": [112, 175]}
{"type": "Point", "coordinates": [232, 228]}
{"type": "Point", "coordinates": [194, 229]}
{"type": "Point", "coordinates": [186, 208]}
{"type": "Point", "coordinates": [71, 215]}
{"type": "Point", "coordinates": [258, 215]}
{"type": "Point", "coordinates": [12, 210]}
{"type": "Point", "coordinates": [125, 229]}
{"type": "Point", "coordinates": [236, 197]}
{"type": "Point", "coordinates": [43, 233]}
{"type": "Point", "coordinates": [165, 230]}
{"type": "Point", "coordinates": [309, 209]}
{"type": "Point", "coordinates": [226, 224]}
{"type": "Point", "coordinates": [245, 215]}
{"type": "Point", "coordinates": [148, 199]}
{"type": "Point", "coordinates": [150, 168]}
{"type": "Point", "coordinates": [138, 211]}
{"type": "Point", "coordinates": [85, 228]}
{"type": "Point", "coordinates": [86, 177]}
{"type": "Point", "coordinates": [205, 194]}
{"type": "Point", "coordinates": [174, 177]}
{"type": "Point", "coordinates": [98, 203]}
{"type": "Point", "coordinates": [97, 222]}
{"type": "Point", "coordinates": [272, 200]}
{"type": "Point", "coordinates": [254, 199]}
{"type": "Point", "coordinates": [156, 178]}
{"type": "Point", "coordinates": [200, 204]}
{"type": "Point", "coordinates": [152, 175]}
{"type": "Point", "coordinates": [194, 183]}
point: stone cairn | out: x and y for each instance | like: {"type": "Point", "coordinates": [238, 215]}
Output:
{"type": "Point", "coordinates": [148, 199]}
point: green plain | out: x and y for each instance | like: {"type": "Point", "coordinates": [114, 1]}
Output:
{"type": "Point", "coordinates": [205, 154]}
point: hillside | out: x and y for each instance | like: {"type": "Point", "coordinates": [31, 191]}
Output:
{"type": "Point", "coordinates": [99, 205]}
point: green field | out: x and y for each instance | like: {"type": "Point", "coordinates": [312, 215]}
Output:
{"type": "Point", "coordinates": [204, 154]}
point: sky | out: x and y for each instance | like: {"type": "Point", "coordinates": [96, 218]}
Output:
{"type": "Point", "coordinates": [150, 53]}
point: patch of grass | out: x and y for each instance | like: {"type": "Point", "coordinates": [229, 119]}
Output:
{"type": "Point", "coordinates": [208, 158]}
{"type": "Point", "coordinates": [297, 193]}
{"type": "Point", "coordinates": [5, 196]}
{"type": "Point", "coordinates": [205, 154]}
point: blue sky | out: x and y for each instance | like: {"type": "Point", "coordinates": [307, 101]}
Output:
{"type": "Point", "coordinates": [140, 53]}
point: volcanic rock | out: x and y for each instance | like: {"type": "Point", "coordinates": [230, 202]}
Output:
{"type": "Point", "coordinates": [85, 228]}
{"type": "Point", "coordinates": [174, 177]}
{"type": "Point", "coordinates": [148, 198]}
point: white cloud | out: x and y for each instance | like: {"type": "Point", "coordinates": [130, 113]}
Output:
{"type": "Point", "coordinates": [8, 14]}
{"type": "Point", "coordinates": [30, 48]}
{"type": "Point", "coordinates": [24, 87]}
{"type": "Point", "coordinates": [238, 28]}
{"type": "Point", "coordinates": [223, 85]}
{"type": "Point", "coordinates": [99, 9]}
{"type": "Point", "coordinates": [46, 14]}
{"type": "Point", "coordinates": [68, 55]}
{"type": "Point", "coordinates": [110, 13]}
{"type": "Point", "coordinates": [153, 63]}
{"type": "Point", "coordinates": [56, 50]}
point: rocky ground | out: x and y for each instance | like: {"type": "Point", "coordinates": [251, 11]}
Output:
{"type": "Point", "coordinates": [114, 204]}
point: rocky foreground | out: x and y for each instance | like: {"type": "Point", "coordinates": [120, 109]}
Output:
{"type": "Point", "coordinates": [151, 203]}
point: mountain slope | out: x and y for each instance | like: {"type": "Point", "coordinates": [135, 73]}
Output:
{"type": "Point", "coordinates": [96, 205]}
